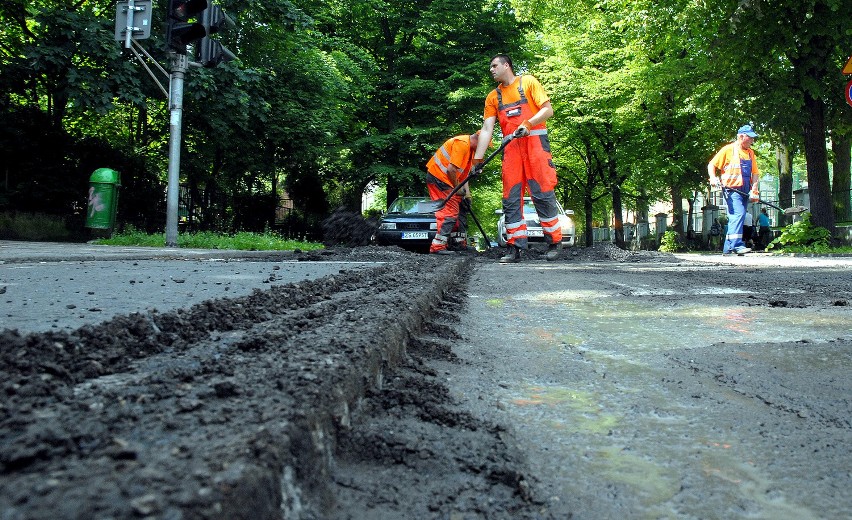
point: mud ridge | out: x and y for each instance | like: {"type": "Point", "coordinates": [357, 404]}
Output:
{"type": "Point", "coordinates": [228, 409]}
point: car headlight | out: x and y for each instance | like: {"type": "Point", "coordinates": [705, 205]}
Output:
{"type": "Point", "coordinates": [387, 225]}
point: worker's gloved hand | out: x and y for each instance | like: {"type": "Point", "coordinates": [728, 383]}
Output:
{"type": "Point", "coordinates": [478, 164]}
{"type": "Point", "coordinates": [716, 182]}
{"type": "Point", "coordinates": [753, 196]}
{"type": "Point", "coordinates": [524, 129]}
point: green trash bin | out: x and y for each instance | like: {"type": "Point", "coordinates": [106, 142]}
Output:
{"type": "Point", "coordinates": [103, 199]}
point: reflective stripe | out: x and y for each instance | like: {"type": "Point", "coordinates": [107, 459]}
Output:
{"type": "Point", "coordinates": [521, 233]}
{"type": "Point", "coordinates": [514, 224]}
{"type": "Point", "coordinates": [438, 162]}
{"type": "Point", "coordinates": [552, 228]}
{"type": "Point", "coordinates": [542, 131]}
{"type": "Point", "coordinates": [439, 239]}
{"type": "Point", "coordinates": [733, 236]}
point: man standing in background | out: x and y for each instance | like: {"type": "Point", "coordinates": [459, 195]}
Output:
{"type": "Point", "coordinates": [738, 165]}
{"type": "Point", "coordinates": [764, 234]}
{"type": "Point", "coordinates": [522, 106]}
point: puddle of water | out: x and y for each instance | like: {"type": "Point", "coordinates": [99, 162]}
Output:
{"type": "Point", "coordinates": [569, 410]}
{"type": "Point", "coordinates": [654, 484]}
{"type": "Point", "coordinates": [734, 469]}
{"type": "Point", "coordinates": [590, 327]}
{"type": "Point", "coordinates": [650, 327]}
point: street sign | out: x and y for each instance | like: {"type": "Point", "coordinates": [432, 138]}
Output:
{"type": "Point", "coordinates": [847, 69]}
{"type": "Point", "coordinates": [133, 16]}
{"type": "Point", "coordinates": [849, 93]}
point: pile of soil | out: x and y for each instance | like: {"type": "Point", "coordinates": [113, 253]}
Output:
{"type": "Point", "coordinates": [348, 228]}
{"type": "Point", "coordinates": [599, 252]}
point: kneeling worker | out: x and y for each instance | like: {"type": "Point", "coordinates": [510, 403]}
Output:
{"type": "Point", "coordinates": [448, 167]}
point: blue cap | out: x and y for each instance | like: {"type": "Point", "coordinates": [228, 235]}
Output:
{"type": "Point", "coordinates": [747, 130]}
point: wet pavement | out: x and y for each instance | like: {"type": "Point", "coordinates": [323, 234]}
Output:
{"type": "Point", "coordinates": [694, 387]}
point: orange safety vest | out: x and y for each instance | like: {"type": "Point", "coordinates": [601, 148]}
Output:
{"type": "Point", "coordinates": [736, 171]}
{"type": "Point", "coordinates": [457, 147]}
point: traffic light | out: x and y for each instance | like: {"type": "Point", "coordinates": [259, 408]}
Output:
{"type": "Point", "coordinates": [180, 32]}
{"type": "Point", "coordinates": [210, 51]}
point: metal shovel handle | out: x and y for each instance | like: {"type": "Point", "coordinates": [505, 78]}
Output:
{"type": "Point", "coordinates": [795, 210]}
{"type": "Point", "coordinates": [469, 207]}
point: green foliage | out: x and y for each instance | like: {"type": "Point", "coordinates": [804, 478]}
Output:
{"type": "Point", "coordinates": [36, 227]}
{"type": "Point", "coordinates": [802, 236]}
{"type": "Point", "coordinates": [670, 243]}
{"type": "Point", "coordinates": [328, 97]}
{"type": "Point", "coordinates": [245, 241]}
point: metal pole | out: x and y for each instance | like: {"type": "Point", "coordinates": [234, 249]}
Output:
{"type": "Point", "coordinates": [128, 35]}
{"type": "Point", "coordinates": [180, 64]}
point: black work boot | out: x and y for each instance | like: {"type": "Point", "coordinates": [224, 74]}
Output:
{"type": "Point", "coordinates": [552, 252]}
{"type": "Point", "coordinates": [513, 254]}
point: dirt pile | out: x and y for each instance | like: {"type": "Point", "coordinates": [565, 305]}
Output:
{"type": "Point", "coordinates": [348, 228]}
{"type": "Point", "coordinates": [599, 252]}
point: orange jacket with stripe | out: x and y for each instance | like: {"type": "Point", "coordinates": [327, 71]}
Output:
{"type": "Point", "coordinates": [732, 174]}
{"type": "Point", "coordinates": [455, 151]}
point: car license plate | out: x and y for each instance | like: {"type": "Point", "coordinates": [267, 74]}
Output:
{"type": "Point", "coordinates": [535, 232]}
{"type": "Point", "coordinates": [415, 235]}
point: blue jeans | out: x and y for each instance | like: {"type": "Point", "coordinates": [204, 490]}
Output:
{"type": "Point", "coordinates": [736, 217]}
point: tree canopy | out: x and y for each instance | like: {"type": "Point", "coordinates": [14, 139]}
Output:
{"type": "Point", "coordinates": [328, 98]}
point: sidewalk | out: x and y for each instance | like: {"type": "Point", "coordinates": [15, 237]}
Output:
{"type": "Point", "coordinates": [62, 286]}
{"type": "Point", "coordinates": [18, 252]}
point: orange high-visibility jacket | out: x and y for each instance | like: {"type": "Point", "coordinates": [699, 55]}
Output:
{"type": "Point", "coordinates": [456, 151]}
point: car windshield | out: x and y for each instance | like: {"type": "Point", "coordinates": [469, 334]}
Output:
{"type": "Point", "coordinates": [412, 205]}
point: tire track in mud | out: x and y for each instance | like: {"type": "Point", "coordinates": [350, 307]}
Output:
{"type": "Point", "coordinates": [233, 408]}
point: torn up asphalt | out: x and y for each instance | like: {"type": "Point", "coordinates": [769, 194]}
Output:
{"type": "Point", "coordinates": [364, 395]}
{"type": "Point", "coordinates": [244, 407]}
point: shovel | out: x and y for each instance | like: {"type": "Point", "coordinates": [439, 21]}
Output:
{"type": "Point", "coordinates": [472, 214]}
{"type": "Point", "coordinates": [795, 210]}
{"type": "Point", "coordinates": [499, 149]}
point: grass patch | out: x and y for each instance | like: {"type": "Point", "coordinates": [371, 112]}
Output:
{"type": "Point", "coordinates": [244, 241]}
{"type": "Point", "coordinates": [33, 226]}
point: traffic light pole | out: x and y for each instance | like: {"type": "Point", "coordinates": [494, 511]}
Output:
{"type": "Point", "coordinates": [180, 65]}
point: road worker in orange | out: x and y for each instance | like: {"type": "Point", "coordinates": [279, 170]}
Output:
{"type": "Point", "coordinates": [449, 166]}
{"type": "Point", "coordinates": [738, 165]}
{"type": "Point", "coordinates": [522, 106]}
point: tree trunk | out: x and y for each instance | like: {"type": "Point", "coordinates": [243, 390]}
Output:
{"type": "Point", "coordinates": [819, 189]}
{"type": "Point", "coordinates": [677, 210]}
{"type": "Point", "coordinates": [617, 222]}
{"type": "Point", "coordinates": [588, 208]}
{"type": "Point", "coordinates": [690, 212]}
{"type": "Point", "coordinates": [642, 206]}
{"type": "Point", "coordinates": [841, 190]}
{"type": "Point", "coordinates": [784, 160]}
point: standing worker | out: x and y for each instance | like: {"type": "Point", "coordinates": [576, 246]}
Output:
{"type": "Point", "coordinates": [748, 229]}
{"type": "Point", "coordinates": [764, 234]}
{"type": "Point", "coordinates": [522, 106]}
{"type": "Point", "coordinates": [449, 166]}
{"type": "Point", "coordinates": [738, 165]}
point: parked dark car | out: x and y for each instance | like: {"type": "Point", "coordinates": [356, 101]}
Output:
{"type": "Point", "coordinates": [408, 223]}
